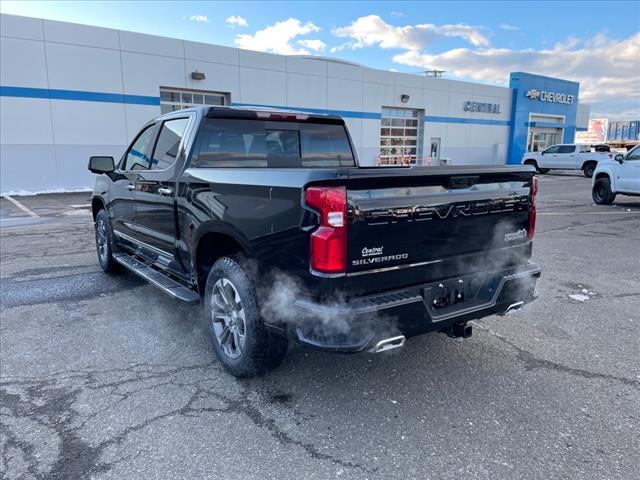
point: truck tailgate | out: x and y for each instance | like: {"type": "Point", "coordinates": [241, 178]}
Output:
{"type": "Point", "coordinates": [412, 217]}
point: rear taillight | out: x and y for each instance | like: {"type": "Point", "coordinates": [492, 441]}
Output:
{"type": "Point", "coordinates": [329, 241]}
{"type": "Point", "coordinates": [532, 208]}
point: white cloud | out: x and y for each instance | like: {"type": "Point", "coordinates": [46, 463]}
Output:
{"type": "Point", "coordinates": [395, 13]}
{"type": "Point", "coordinates": [341, 47]}
{"type": "Point", "coordinates": [608, 69]}
{"type": "Point", "coordinates": [373, 30]}
{"type": "Point", "coordinates": [234, 20]}
{"type": "Point", "coordinates": [276, 38]}
{"type": "Point", "coordinates": [315, 45]}
{"type": "Point", "coordinates": [199, 18]}
{"type": "Point", "coordinates": [506, 26]}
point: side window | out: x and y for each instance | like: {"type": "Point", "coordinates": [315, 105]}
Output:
{"type": "Point", "coordinates": [566, 149]}
{"type": "Point", "coordinates": [166, 152]}
{"type": "Point", "coordinates": [137, 157]}
{"type": "Point", "coordinates": [585, 148]}
{"type": "Point", "coordinates": [553, 149]}
{"type": "Point", "coordinates": [634, 154]}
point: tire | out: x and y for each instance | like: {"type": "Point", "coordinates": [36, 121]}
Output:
{"type": "Point", "coordinates": [104, 243]}
{"type": "Point", "coordinates": [602, 193]}
{"type": "Point", "coordinates": [589, 168]}
{"type": "Point", "coordinates": [534, 164]}
{"type": "Point", "coordinates": [239, 337]}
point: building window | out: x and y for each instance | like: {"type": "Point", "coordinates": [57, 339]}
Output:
{"type": "Point", "coordinates": [172, 99]}
{"type": "Point", "coordinates": [401, 133]}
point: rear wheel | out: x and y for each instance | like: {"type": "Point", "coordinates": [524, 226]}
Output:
{"type": "Point", "coordinates": [602, 193]}
{"type": "Point", "coordinates": [239, 337]}
{"type": "Point", "coordinates": [104, 243]}
{"type": "Point", "coordinates": [589, 168]}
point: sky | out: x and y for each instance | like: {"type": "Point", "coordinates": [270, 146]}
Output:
{"type": "Point", "coordinates": [596, 43]}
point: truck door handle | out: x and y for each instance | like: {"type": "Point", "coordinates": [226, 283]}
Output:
{"type": "Point", "coordinates": [165, 191]}
{"type": "Point", "coordinates": [131, 186]}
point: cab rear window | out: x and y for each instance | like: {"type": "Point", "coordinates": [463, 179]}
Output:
{"type": "Point", "coordinates": [234, 143]}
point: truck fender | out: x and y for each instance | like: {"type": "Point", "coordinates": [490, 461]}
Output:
{"type": "Point", "coordinates": [606, 173]}
{"type": "Point", "coordinates": [584, 162]}
{"type": "Point", "coordinates": [226, 231]}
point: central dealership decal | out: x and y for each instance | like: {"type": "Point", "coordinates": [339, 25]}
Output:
{"type": "Point", "coordinates": [519, 235]}
{"type": "Point", "coordinates": [470, 106]}
{"type": "Point", "coordinates": [369, 252]}
{"type": "Point", "coordinates": [550, 97]}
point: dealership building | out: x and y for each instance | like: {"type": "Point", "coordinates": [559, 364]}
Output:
{"type": "Point", "coordinates": [69, 91]}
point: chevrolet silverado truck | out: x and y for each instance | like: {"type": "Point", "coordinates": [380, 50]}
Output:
{"type": "Point", "coordinates": [620, 176]}
{"type": "Point", "coordinates": [218, 205]}
{"type": "Point", "coordinates": [571, 156]}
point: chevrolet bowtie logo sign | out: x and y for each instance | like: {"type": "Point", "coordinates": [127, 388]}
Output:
{"type": "Point", "coordinates": [550, 97]}
{"type": "Point", "coordinates": [533, 94]}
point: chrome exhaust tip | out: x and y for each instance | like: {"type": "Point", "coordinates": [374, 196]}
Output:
{"type": "Point", "coordinates": [514, 307]}
{"type": "Point", "coordinates": [388, 344]}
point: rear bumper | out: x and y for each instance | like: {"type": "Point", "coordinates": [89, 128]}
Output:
{"type": "Point", "coordinates": [358, 324]}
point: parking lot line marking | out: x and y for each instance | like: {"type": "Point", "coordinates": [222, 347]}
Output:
{"type": "Point", "coordinates": [21, 207]}
{"type": "Point", "coordinates": [81, 206]}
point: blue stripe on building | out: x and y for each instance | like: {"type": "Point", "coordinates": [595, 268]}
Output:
{"type": "Point", "coordinates": [78, 95]}
{"type": "Point", "coordinates": [471, 121]}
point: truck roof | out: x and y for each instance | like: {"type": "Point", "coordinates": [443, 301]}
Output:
{"type": "Point", "coordinates": [266, 113]}
{"type": "Point", "coordinates": [260, 112]}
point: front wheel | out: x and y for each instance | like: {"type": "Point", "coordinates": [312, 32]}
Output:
{"type": "Point", "coordinates": [104, 243]}
{"type": "Point", "coordinates": [602, 193]}
{"type": "Point", "coordinates": [239, 337]}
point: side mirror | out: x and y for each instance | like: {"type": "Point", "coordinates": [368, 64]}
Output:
{"type": "Point", "coordinates": [101, 164]}
{"type": "Point", "coordinates": [619, 158]}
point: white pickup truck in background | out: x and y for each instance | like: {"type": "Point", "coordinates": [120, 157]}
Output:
{"type": "Point", "coordinates": [620, 176]}
{"type": "Point", "coordinates": [567, 156]}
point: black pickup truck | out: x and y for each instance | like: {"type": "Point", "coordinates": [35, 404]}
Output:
{"type": "Point", "coordinates": [267, 219]}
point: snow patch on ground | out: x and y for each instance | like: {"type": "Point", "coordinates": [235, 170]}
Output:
{"type": "Point", "coordinates": [24, 193]}
{"type": "Point", "coordinates": [584, 295]}
{"type": "Point", "coordinates": [579, 297]}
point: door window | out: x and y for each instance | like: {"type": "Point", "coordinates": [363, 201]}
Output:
{"type": "Point", "coordinates": [566, 149]}
{"type": "Point", "coordinates": [137, 157]}
{"type": "Point", "coordinates": [634, 154]}
{"type": "Point", "coordinates": [553, 149]}
{"type": "Point", "coordinates": [166, 152]}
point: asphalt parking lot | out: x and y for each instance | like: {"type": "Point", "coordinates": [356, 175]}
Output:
{"type": "Point", "coordinates": [107, 377]}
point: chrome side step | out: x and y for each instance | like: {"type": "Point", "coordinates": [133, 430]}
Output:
{"type": "Point", "coordinates": [158, 279]}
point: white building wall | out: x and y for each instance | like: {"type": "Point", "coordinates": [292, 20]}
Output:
{"type": "Point", "coordinates": [46, 143]}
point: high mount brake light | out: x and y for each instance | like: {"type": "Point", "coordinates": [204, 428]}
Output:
{"type": "Point", "coordinates": [282, 115]}
{"type": "Point", "coordinates": [328, 244]}
{"type": "Point", "coordinates": [532, 208]}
